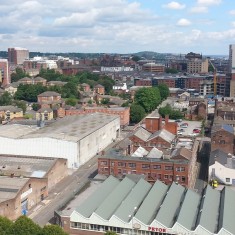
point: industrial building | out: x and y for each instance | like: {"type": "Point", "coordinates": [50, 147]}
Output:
{"type": "Point", "coordinates": [136, 207]}
{"type": "Point", "coordinates": [75, 138]}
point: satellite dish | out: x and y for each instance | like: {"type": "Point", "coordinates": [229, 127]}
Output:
{"type": "Point", "coordinates": [136, 226]}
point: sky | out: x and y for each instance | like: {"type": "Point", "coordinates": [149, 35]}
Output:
{"type": "Point", "coordinates": [118, 26]}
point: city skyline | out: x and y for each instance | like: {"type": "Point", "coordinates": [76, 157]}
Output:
{"type": "Point", "coordinates": [119, 26]}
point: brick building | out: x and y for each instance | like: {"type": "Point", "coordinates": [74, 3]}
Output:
{"type": "Point", "coordinates": [167, 168]}
{"type": "Point", "coordinates": [123, 112]}
{"type": "Point", "coordinates": [17, 55]}
{"type": "Point", "coordinates": [222, 137]}
{"type": "Point", "coordinates": [4, 72]}
{"type": "Point", "coordinates": [99, 89]}
{"type": "Point", "coordinates": [50, 99]}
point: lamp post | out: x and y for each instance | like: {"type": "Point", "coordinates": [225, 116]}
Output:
{"type": "Point", "coordinates": [131, 218]}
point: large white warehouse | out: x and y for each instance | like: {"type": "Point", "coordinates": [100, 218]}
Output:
{"type": "Point", "coordinates": [76, 138]}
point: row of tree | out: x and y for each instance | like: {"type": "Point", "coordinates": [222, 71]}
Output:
{"type": "Point", "coordinates": [168, 110]}
{"type": "Point", "coordinates": [25, 226]}
{"type": "Point", "coordinates": [146, 100]}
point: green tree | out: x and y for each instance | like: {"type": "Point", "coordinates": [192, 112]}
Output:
{"type": "Point", "coordinates": [163, 111]}
{"type": "Point", "coordinates": [135, 58]}
{"type": "Point", "coordinates": [25, 226]}
{"type": "Point", "coordinates": [6, 99]}
{"type": "Point", "coordinates": [71, 101]}
{"type": "Point", "coordinates": [20, 104]}
{"type": "Point", "coordinates": [171, 70]}
{"type": "Point", "coordinates": [70, 90]}
{"type": "Point", "coordinates": [148, 98]}
{"type": "Point", "coordinates": [137, 113]}
{"type": "Point", "coordinates": [35, 106]}
{"type": "Point", "coordinates": [18, 74]}
{"type": "Point", "coordinates": [164, 91]}
{"type": "Point", "coordinates": [5, 226]}
{"type": "Point", "coordinates": [52, 230]}
{"type": "Point", "coordinates": [105, 101]}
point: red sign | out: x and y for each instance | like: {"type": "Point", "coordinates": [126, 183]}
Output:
{"type": "Point", "coordinates": [154, 229]}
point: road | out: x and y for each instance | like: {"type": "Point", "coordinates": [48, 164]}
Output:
{"type": "Point", "coordinates": [63, 191]}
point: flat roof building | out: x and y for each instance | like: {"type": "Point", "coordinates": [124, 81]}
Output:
{"type": "Point", "coordinates": [75, 138]}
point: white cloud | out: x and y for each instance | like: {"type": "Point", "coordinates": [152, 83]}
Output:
{"type": "Point", "coordinates": [183, 22]}
{"type": "Point", "coordinates": [233, 23]}
{"type": "Point", "coordinates": [199, 9]}
{"type": "Point", "coordinates": [174, 6]}
{"type": "Point", "coordinates": [232, 12]}
{"type": "Point", "coordinates": [209, 2]}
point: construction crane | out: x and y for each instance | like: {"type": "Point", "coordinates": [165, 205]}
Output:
{"type": "Point", "coordinates": [214, 77]}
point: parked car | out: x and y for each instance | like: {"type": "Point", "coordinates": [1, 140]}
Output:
{"type": "Point", "coordinates": [196, 130]}
{"type": "Point", "coordinates": [180, 133]}
{"type": "Point", "coordinates": [178, 120]}
{"type": "Point", "coordinates": [193, 134]}
{"type": "Point", "coordinates": [183, 125]}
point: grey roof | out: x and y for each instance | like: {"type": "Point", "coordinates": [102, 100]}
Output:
{"type": "Point", "coordinates": [115, 198]}
{"type": "Point", "coordinates": [133, 200]}
{"type": "Point", "coordinates": [152, 202]}
{"type": "Point", "coordinates": [10, 108]}
{"type": "Point", "coordinates": [164, 134]}
{"type": "Point", "coordinates": [219, 156]}
{"type": "Point", "coordinates": [74, 128]}
{"type": "Point", "coordinates": [226, 213]}
{"type": "Point", "coordinates": [39, 79]}
{"type": "Point", "coordinates": [9, 187]}
{"type": "Point", "coordinates": [26, 166]}
{"type": "Point", "coordinates": [94, 201]}
{"type": "Point", "coordinates": [142, 134]}
{"type": "Point", "coordinates": [189, 210]}
{"type": "Point", "coordinates": [140, 152]}
{"type": "Point", "coordinates": [225, 127]}
{"type": "Point", "coordinates": [168, 210]}
{"type": "Point", "coordinates": [155, 153]}
{"type": "Point", "coordinates": [42, 110]}
{"type": "Point", "coordinates": [209, 211]}
{"type": "Point", "coordinates": [49, 93]}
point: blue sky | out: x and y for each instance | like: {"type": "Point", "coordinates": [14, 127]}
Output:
{"type": "Point", "coordinates": [118, 26]}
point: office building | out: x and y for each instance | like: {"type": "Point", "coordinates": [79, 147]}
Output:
{"type": "Point", "coordinates": [17, 55]}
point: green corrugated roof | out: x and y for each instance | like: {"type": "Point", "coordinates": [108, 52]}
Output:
{"type": "Point", "coordinates": [153, 200]}
{"type": "Point", "coordinates": [208, 217]}
{"type": "Point", "coordinates": [188, 212]}
{"type": "Point", "coordinates": [92, 202]}
{"type": "Point", "coordinates": [134, 199]}
{"type": "Point", "coordinates": [227, 212]}
{"type": "Point", "coordinates": [170, 205]}
{"type": "Point", "coordinates": [112, 202]}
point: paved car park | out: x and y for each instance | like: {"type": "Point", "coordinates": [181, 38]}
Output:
{"type": "Point", "coordinates": [187, 130]}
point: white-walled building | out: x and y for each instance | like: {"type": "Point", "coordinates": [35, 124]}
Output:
{"type": "Point", "coordinates": [75, 138]}
{"type": "Point", "coordinates": [136, 207]}
{"type": "Point", "coordinates": [116, 69]}
{"type": "Point", "coordinates": [222, 167]}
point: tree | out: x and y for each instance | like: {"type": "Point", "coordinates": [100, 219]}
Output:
{"type": "Point", "coordinates": [18, 74]}
{"type": "Point", "coordinates": [25, 226]}
{"type": "Point", "coordinates": [20, 104]}
{"type": "Point", "coordinates": [52, 230]}
{"type": "Point", "coordinates": [71, 101]}
{"type": "Point", "coordinates": [148, 98]}
{"type": "Point", "coordinates": [70, 90]}
{"type": "Point", "coordinates": [35, 106]}
{"type": "Point", "coordinates": [171, 70]}
{"type": "Point", "coordinates": [164, 91]}
{"type": "Point", "coordinates": [6, 99]}
{"type": "Point", "coordinates": [137, 113]}
{"type": "Point", "coordinates": [5, 226]}
{"type": "Point", "coordinates": [135, 58]}
{"type": "Point", "coordinates": [163, 111]}
{"type": "Point", "coordinates": [105, 101]}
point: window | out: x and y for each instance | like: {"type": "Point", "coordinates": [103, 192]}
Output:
{"type": "Point", "coordinates": [183, 179]}
{"type": "Point", "coordinates": [157, 167]}
{"type": "Point", "coordinates": [123, 164]}
{"type": "Point", "coordinates": [145, 166]}
{"type": "Point", "coordinates": [165, 177]}
{"type": "Point", "coordinates": [180, 169]}
{"type": "Point", "coordinates": [132, 165]}
{"type": "Point", "coordinates": [119, 171]}
{"type": "Point", "coordinates": [168, 168]}
{"type": "Point", "coordinates": [103, 163]}
{"type": "Point", "coordinates": [227, 180]}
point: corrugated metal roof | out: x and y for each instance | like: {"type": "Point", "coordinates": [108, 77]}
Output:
{"type": "Point", "coordinates": [114, 199]}
{"type": "Point", "coordinates": [189, 210]}
{"type": "Point", "coordinates": [155, 153]}
{"type": "Point", "coordinates": [142, 134]}
{"type": "Point", "coordinates": [168, 210]}
{"type": "Point", "coordinates": [227, 212]}
{"type": "Point", "coordinates": [134, 199]}
{"type": "Point", "coordinates": [93, 202]}
{"type": "Point", "coordinates": [209, 211]}
{"type": "Point", "coordinates": [140, 152]}
{"type": "Point", "coordinates": [152, 202]}
{"type": "Point", "coordinates": [164, 134]}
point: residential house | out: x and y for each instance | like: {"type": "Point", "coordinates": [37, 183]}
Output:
{"type": "Point", "coordinates": [10, 112]}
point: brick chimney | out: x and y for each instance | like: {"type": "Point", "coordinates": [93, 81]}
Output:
{"type": "Point", "coordinates": [152, 124]}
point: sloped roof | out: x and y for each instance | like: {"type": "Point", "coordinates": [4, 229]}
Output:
{"type": "Point", "coordinates": [155, 153]}
{"type": "Point", "coordinates": [218, 155]}
{"type": "Point", "coordinates": [49, 93]}
{"type": "Point", "coordinates": [225, 127]}
{"type": "Point", "coordinates": [184, 152]}
{"type": "Point", "coordinates": [10, 108]}
{"type": "Point", "coordinates": [142, 134]}
{"type": "Point", "coordinates": [164, 134]}
{"type": "Point", "coordinates": [94, 201]}
{"type": "Point", "coordinates": [170, 205]}
{"type": "Point", "coordinates": [140, 152]}
{"type": "Point", "coordinates": [39, 79]}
